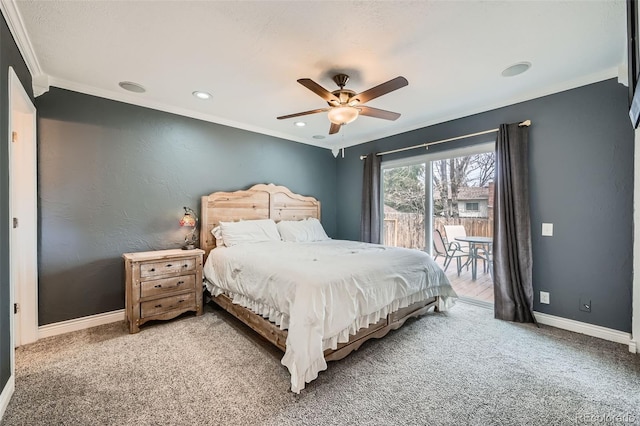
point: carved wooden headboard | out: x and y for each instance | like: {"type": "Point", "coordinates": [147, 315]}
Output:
{"type": "Point", "coordinates": [258, 202]}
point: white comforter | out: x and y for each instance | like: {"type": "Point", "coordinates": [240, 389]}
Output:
{"type": "Point", "coordinates": [323, 291]}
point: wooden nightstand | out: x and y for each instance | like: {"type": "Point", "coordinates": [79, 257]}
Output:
{"type": "Point", "coordinates": [161, 285]}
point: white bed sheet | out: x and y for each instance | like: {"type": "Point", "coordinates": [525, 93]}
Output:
{"type": "Point", "coordinates": [322, 292]}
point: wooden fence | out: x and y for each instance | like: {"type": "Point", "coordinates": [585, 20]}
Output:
{"type": "Point", "coordinates": [407, 229]}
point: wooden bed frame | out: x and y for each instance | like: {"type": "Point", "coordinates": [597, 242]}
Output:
{"type": "Point", "coordinates": [279, 203]}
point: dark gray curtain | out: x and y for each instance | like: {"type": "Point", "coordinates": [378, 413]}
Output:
{"type": "Point", "coordinates": [512, 227]}
{"type": "Point", "coordinates": [370, 217]}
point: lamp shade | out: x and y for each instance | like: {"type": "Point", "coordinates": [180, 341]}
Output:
{"type": "Point", "coordinates": [188, 220]}
{"type": "Point", "coordinates": [343, 114]}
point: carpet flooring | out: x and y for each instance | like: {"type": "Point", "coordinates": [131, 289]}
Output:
{"type": "Point", "coordinates": [461, 367]}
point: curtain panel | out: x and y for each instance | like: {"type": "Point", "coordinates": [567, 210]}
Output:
{"type": "Point", "coordinates": [513, 282]}
{"type": "Point", "coordinates": [370, 221]}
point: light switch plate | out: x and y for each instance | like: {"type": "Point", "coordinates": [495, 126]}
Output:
{"type": "Point", "coordinates": [544, 297]}
{"type": "Point", "coordinates": [547, 229]}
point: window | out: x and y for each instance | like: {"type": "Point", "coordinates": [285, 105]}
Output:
{"type": "Point", "coordinates": [471, 207]}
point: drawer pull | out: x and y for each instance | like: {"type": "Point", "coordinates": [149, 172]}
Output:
{"type": "Point", "coordinates": [185, 265]}
{"type": "Point", "coordinates": [158, 306]}
{"type": "Point", "coordinates": [180, 283]}
{"type": "Point", "coordinates": [158, 286]}
{"type": "Point", "coordinates": [152, 269]}
{"type": "Point", "coordinates": [181, 300]}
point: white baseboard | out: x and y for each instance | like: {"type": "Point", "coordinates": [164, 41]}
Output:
{"type": "Point", "coordinates": [5, 396]}
{"type": "Point", "coordinates": [585, 328]}
{"type": "Point", "coordinates": [633, 346]}
{"type": "Point", "coordinates": [80, 323]}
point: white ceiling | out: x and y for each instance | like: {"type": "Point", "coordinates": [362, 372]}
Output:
{"type": "Point", "coordinates": [249, 54]}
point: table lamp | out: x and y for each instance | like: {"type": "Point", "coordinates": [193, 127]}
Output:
{"type": "Point", "coordinates": [190, 220]}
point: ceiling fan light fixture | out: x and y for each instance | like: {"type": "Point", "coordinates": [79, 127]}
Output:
{"type": "Point", "coordinates": [343, 114]}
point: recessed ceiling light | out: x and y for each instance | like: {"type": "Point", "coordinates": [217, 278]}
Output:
{"type": "Point", "coordinates": [318, 136]}
{"type": "Point", "coordinates": [299, 124]}
{"type": "Point", "coordinates": [201, 95]}
{"type": "Point", "coordinates": [516, 69]}
{"type": "Point", "coordinates": [132, 87]}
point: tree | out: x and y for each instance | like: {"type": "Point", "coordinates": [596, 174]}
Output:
{"type": "Point", "coordinates": [482, 169]}
{"type": "Point", "coordinates": [440, 186]}
{"type": "Point", "coordinates": [448, 177]}
{"type": "Point", "coordinates": [404, 188]}
{"type": "Point", "coordinates": [452, 174]}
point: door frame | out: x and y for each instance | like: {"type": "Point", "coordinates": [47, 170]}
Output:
{"type": "Point", "coordinates": [20, 103]}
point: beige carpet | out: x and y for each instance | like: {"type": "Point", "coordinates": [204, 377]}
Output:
{"type": "Point", "coordinates": [455, 368]}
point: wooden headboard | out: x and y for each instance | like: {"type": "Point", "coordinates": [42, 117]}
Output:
{"type": "Point", "coordinates": [258, 202]}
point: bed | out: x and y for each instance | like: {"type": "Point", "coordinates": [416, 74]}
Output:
{"type": "Point", "coordinates": [315, 298]}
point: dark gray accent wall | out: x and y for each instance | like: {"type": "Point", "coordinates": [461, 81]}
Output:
{"type": "Point", "coordinates": [581, 180]}
{"type": "Point", "coordinates": [113, 179]}
{"type": "Point", "coordinates": [9, 57]}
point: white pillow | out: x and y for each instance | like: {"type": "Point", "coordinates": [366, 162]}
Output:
{"type": "Point", "coordinates": [302, 231]}
{"type": "Point", "coordinates": [249, 231]}
{"type": "Point", "coordinates": [217, 233]}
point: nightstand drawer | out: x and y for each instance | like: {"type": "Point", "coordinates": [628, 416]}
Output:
{"type": "Point", "coordinates": [172, 266]}
{"type": "Point", "coordinates": [167, 285]}
{"type": "Point", "coordinates": [159, 306]}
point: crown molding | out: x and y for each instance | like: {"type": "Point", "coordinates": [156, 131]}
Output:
{"type": "Point", "coordinates": [135, 100]}
{"type": "Point", "coordinates": [132, 99]}
{"type": "Point", "coordinates": [40, 80]}
{"type": "Point", "coordinates": [40, 84]}
{"type": "Point", "coordinates": [527, 96]}
{"type": "Point", "coordinates": [17, 28]}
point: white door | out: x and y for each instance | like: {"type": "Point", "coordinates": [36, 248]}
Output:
{"type": "Point", "coordinates": [23, 213]}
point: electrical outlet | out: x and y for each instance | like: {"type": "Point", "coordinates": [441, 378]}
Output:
{"type": "Point", "coordinates": [585, 305]}
{"type": "Point", "coordinates": [544, 297]}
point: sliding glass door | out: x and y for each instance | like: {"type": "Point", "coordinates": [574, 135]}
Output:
{"type": "Point", "coordinates": [451, 192]}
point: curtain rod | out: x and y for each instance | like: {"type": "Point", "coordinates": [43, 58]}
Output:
{"type": "Point", "coordinates": [428, 144]}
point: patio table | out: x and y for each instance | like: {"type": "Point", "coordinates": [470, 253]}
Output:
{"type": "Point", "coordinates": [475, 242]}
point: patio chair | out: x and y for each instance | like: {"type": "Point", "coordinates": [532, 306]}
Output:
{"type": "Point", "coordinates": [448, 250]}
{"type": "Point", "coordinates": [486, 255]}
{"type": "Point", "coordinates": [453, 231]}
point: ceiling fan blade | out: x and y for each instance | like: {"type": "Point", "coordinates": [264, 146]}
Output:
{"type": "Point", "coordinates": [319, 90]}
{"type": "Point", "coordinates": [379, 90]}
{"type": "Point", "coordinates": [298, 114]}
{"type": "Point", "coordinates": [378, 113]}
{"type": "Point", "coordinates": [335, 128]}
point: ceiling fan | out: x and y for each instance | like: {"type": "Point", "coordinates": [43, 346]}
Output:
{"type": "Point", "coordinates": [345, 105]}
